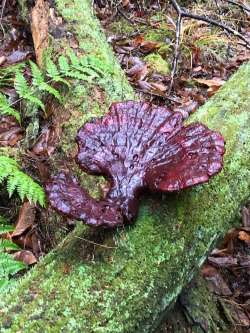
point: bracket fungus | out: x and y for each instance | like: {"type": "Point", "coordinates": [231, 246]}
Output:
{"type": "Point", "coordinates": [136, 146]}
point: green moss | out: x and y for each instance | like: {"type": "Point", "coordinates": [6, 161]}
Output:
{"type": "Point", "coordinates": [157, 63]}
{"type": "Point", "coordinates": [122, 26]}
{"type": "Point", "coordinates": [123, 281]}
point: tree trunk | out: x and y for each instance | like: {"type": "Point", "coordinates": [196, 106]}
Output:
{"type": "Point", "coordinates": [128, 282]}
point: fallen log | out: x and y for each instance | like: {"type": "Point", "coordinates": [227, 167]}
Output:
{"type": "Point", "coordinates": [126, 281]}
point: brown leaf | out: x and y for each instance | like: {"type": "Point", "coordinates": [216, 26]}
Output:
{"type": "Point", "coordinates": [145, 45]}
{"type": "Point", "coordinates": [10, 131]}
{"type": "Point", "coordinates": [26, 219]}
{"type": "Point", "coordinates": [214, 84]}
{"type": "Point", "coordinates": [245, 237]}
{"type": "Point", "coordinates": [138, 70]}
{"type": "Point", "coordinates": [216, 282]}
{"type": "Point", "coordinates": [27, 257]}
{"type": "Point", "coordinates": [39, 28]}
{"type": "Point", "coordinates": [46, 142]}
{"type": "Point", "coordinates": [186, 108]}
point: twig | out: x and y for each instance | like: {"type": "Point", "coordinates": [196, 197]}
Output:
{"type": "Point", "coordinates": [96, 244]}
{"type": "Point", "coordinates": [241, 5]}
{"type": "Point", "coordinates": [218, 24]}
{"type": "Point", "coordinates": [1, 15]}
{"type": "Point", "coordinates": [184, 13]}
{"type": "Point", "coordinates": [176, 51]}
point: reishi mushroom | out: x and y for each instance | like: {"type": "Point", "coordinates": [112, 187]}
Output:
{"type": "Point", "coordinates": [136, 146]}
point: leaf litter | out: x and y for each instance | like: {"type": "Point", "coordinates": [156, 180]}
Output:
{"type": "Point", "coordinates": [208, 58]}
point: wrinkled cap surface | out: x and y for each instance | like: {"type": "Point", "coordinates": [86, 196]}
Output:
{"type": "Point", "coordinates": [69, 198]}
{"type": "Point", "coordinates": [137, 145]}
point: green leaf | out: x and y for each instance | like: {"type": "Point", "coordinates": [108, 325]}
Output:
{"type": "Point", "coordinates": [18, 181]}
{"type": "Point", "coordinates": [4, 229]}
{"type": "Point", "coordinates": [3, 283]}
{"type": "Point", "coordinates": [52, 91]}
{"type": "Point", "coordinates": [63, 65]}
{"type": "Point", "coordinates": [6, 109]}
{"type": "Point", "coordinates": [37, 75]}
{"type": "Point", "coordinates": [7, 245]}
{"type": "Point", "coordinates": [9, 266]}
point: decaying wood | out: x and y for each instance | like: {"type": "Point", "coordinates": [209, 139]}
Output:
{"type": "Point", "coordinates": [39, 28]}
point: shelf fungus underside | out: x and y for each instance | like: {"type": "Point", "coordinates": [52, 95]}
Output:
{"type": "Point", "coordinates": [136, 146]}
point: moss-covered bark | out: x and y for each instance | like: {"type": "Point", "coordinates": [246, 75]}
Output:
{"type": "Point", "coordinates": [127, 282]}
{"type": "Point", "coordinates": [198, 310]}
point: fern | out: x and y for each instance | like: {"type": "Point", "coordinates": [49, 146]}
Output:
{"type": "Point", "coordinates": [18, 181]}
{"type": "Point", "coordinates": [25, 92]}
{"type": "Point", "coordinates": [85, 68]}
{"type": "Point", "coordinates": [38, 81]}
{"type": "Point", "coordinates": [53, 73]}
{"type": "Point", "coordinates": [8, 265]}
{"type": "Point", "coordinates": [8, 245]}
{"type": "Point", "coordinates": [7, 110]}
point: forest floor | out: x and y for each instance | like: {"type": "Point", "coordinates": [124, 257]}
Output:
{"type": "Point", "coordinates": [143, 39]}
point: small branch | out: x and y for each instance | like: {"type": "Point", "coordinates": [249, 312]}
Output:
{"type": "Point", "coordinates": [176, 51]}
{"type": "Point", "coordinates": [218, 24]}
{"type": "Point", "coordinates": [183, 13]}
{"type": "Point", "coordinates": [242, 6]}
{"type": "Point", "coordinates": [1, 15]}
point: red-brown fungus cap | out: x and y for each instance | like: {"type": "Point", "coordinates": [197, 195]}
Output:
{"type": "Point", "coordinates": [137, 146]}
{"type": "Point", "coordinates": [69, 198]}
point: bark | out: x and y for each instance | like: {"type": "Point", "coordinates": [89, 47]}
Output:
{"type": "Point", "coordinates": [126, 281]}
{"type": "Point", "coordinates": [198, 310]}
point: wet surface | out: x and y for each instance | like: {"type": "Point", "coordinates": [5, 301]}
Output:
{"type": "Point", "coordinates": [139, 146]}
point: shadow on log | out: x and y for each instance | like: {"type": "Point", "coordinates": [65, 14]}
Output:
{"type": "Point", "coordinates": [125, 281]}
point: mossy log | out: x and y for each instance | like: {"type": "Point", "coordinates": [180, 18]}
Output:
{"type": "Point", "coordinates": [126, 281]}
{"type": "Point", "coordinates": [198, 310]}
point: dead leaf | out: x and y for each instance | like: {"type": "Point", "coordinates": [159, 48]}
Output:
{"type": "Point", "coordinates": [27, 257]}
{"type": "Point", "coordinates": [145, 45]}
{"type": "Point", "coordinates": [25, 220]}
{"type": "Point", "coordinates": [10, 131]}
{"type": "Point", "coordinates": [2, 60]}
{"type": "Point", "coordinates": [187, 108]}
{"type": "Point", "coordinates": [216, 81]}
{"type": "Point", "coordinates": [46, 143]}
{"type": "Point", "coordinates": [245, 237]}
{"type": "Point", "coordinates": [216, 282]}
{"type": "Point", "coordinates": [40, 28]}
{"type": "Point", "coordinates": [138, 69]}
{"type": "Point", "coordinates": [214, 84]}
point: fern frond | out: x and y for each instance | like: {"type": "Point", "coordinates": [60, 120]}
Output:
{"type": "Point", "coordinates": [4, 227]}
{"type": "Point", "coordinates": [18, 181]}
{"type": "Point", "coordinates": [53, 73]}
{"type": "Point", "coordinates": [51, 90]}
{"type": "Point", "coordinates": [63, 65]}
{"type": "Point", "coordinates": [21, 85]}
{"type": "Point", "coordinates": [9, 266]}
{"type": "Point", "coordinates": [25, 91]}
{"type": "Point", "coordinates": [6, 109]}
{"type": "Point", "coordinates": [37, 75]}
{"type": "Point", "coordinates": [8, 245]}
{"type": "Point", "coordinates": [38, 81]}
{"type": "Point", "coordinates": [4, 283]}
